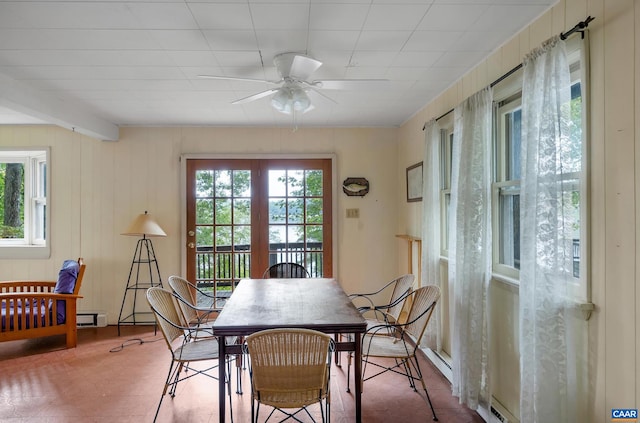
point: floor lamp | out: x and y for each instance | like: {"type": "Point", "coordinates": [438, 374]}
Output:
{"type": "Point", "coordinates": [144, 272]}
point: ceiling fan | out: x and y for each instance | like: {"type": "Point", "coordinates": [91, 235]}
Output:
{"type": "Point", "coordinates": [291, 95]}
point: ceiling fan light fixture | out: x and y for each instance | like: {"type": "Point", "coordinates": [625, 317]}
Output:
{"type": "Point", "coordinates": [281, 101]}
{"type": "Point", "coordinates": [291, 99]}
{"type": "Point", "coordinates": [300, 100]}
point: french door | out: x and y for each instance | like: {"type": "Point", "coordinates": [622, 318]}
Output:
{"type": "Point", "coordinates": [246, 214]}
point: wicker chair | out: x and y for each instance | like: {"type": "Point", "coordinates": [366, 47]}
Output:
{"type": "Point", "coordinates": [183, 349]}
{"type": "Point", "coordinates": [289, 369]}
{"type": "Point", "coordinates": [199, 318]}
{"type": "Point", "coordinates": [403, 345]}
{"type": "Point", "coordinates": [391, 312]}
{"type": "Point", "coordinates": [286, 270]}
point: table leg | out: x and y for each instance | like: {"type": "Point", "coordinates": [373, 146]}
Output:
{"type": "Point", "coordinates": [357, 376]}
{"type": "Point", "coordinates": [221, 376]}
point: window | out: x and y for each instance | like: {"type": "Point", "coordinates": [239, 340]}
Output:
{"type": "Point", "coordinates": [507, 166]}
{"type": "Point", "coordinates": [23, 204]}
{"type": "Point", "coordinates": [446, 145]}
{"type": "Point", "coordinates": [506, 189]}
{"type": "Point", "coordinates": [573, 185]}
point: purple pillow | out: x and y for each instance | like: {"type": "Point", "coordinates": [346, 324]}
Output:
{"type": "Point", "coordinates": [66, 283]}
{"type": "Point", "coordinates": [67, 277]}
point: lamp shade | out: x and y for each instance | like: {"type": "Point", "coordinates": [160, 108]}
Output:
{"type": "Point", "coordinates": [144, 225]}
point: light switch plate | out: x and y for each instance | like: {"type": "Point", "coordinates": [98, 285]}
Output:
{"type": "Point", "coordinates": [353, 213]}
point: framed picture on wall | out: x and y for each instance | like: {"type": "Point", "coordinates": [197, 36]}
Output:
{"type": "Point", "coordinates": [414, 182]}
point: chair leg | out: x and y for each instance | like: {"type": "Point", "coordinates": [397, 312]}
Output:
{"type": "Point", "coordinates": [349, 357]}
{"type": "Point", "coordinates": [348, 371]}
{"type": "Point", "coordinates": [408, 372]}
{"type": "Point", "coordinates": [238, 380]}
{"type": "Point", "coordinates": [228, 373]}
{"type": "Point", "coordinates": [164, 390]}
{"type": "Point", "coordinates": [424, 386]}
{"type": "Point", "coordinates": [328, 406]}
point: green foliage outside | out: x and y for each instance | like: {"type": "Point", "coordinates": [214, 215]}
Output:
{"type": "Point", "coordinates": [11, 200]}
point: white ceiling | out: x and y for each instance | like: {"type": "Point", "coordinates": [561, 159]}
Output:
{"type": "Point", "coordinates": [98, 65]}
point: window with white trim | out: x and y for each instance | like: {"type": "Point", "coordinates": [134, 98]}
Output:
{"type": "Point", "coordinates": [446, 146]}
{"type": "Point", "coordinates": [506, 188]}
{"type": "Point", "coordinates": [24, 177]}
{"type": "Point", "coordinates": [507, 166]}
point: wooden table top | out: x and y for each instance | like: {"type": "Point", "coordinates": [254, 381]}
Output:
{"type": "Point", "coordinates": [314, 303]}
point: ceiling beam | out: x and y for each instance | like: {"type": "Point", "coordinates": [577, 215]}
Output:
{"type": "Point", "coordinates": [18, 96]}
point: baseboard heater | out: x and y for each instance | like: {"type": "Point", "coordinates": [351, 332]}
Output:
{"type": "Point", "coordinates": [91, 319]}
{"type": "Point", "coordinates": [498, 415]}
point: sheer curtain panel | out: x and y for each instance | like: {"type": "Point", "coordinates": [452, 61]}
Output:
{"type": "Point", "coordinates": [552, 361]}
{"type": "Point", "coordinates": [470, 248]}
{"type": "Point", "coordinates": [431, 226]}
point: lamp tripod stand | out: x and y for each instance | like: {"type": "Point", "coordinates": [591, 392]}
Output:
{"type": "Point", "coordinates": [143, 274]}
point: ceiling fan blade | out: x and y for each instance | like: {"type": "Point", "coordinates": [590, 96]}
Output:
{"type": "Point", "coordinates": [232, 78]}
{"type": "Point", "coordinates": [256, 96]}
{"type": "Point", "coordinates": [350, 84]}
{"type": "Point", "coordinates": [303, 66]}
{"type": "Point", "coordinates": [320, 93]}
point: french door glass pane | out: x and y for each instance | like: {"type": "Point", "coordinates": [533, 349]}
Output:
{"type": "Point", "coordinates": [295, 208]}
{"type": "Point", "coordinates": [277, 211]}
{"type": "Point", "coordinates": [223, 211]}
{"type": "Point", "coordinates": [277, 234]}
{"type": "Point", "coordinates": [204, 212]}
{"type": "Point", "coordinates": [242, 211]}
{"type": "Point", "coordinates": [277, 183]}
{"type": "Point", "coordinates": [223, 183]}
{"type": "Point", "coordinates": [204, 184]}
{"type": "Point", "coordinates": [314, 237]}
{"type": "Point", "coordinates": [313, 187]}
{"type": "Point", "coordinates": [313, 210]}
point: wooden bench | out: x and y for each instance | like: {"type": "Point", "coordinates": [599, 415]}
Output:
{"type": "Point", "coordinates": [31, 309]}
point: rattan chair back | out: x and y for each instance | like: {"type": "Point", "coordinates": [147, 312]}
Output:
{"type": "Point", "coordinates": [423, 301]}
{"type": "Point", "coordinates": [290, 367]}
{"type": "Point", "coordinates": [401, 289]}
{"type": "Point", "coordinates": [166, 313]}
{"type": "Point", "coordinates": [187, 293]}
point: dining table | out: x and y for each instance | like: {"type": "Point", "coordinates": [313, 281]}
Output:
{"type": "Point", "coordinates": [310, 303]}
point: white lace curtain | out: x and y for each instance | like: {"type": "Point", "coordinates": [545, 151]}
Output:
{"type": "Point", "coordinates": [551, 337]}
{"type": "Point", "coordinates": [431, 226]}
{"type": "Point", "coordinates": [470, 248]}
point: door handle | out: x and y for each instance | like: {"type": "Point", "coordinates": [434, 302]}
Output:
{"type": "Point", "coordinates": [191, 245]}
